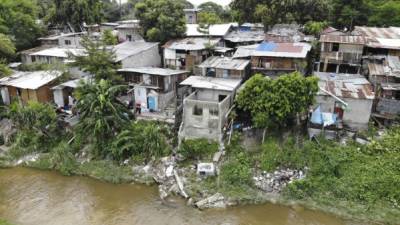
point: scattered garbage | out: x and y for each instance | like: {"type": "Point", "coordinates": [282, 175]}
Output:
{"type": "Point", "coordinates": [215, 201]}
{"type": "Point", "coordinates": [206, 169]}
{"type": "Point", "coordinates": [276, 181]}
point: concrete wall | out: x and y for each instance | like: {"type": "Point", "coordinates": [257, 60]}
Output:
{"type": "Point", "coordinates": [75, 42]}
{"type": "Point", "coordinates": [150, 57]}
{"type": "Point", "coordinates": [123, 33]}
{"type": "Point", "coordinates": [191, 17]}
{"type": "Point", "coordinates": [357, 114]}
{"type": "Point", "coordinates": [206, 125]}
{"type": "Point", "coordinates": [211, 95]}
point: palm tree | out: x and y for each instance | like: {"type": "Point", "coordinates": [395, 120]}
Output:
{"type": "Point", "coordinates": [102, 115]}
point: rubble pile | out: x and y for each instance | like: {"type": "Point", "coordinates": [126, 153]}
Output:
{"type": "Point", "coordinates": [276, 181]}
{"type": "Point", "coordinates": [166, 175]}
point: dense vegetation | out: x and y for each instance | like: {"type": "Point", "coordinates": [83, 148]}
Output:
{"type": "Point", "coordinates": [339, 13]}
{"type": "Point", "coordinates": [276, 102]}
{"type": "Point", "coordinates": [161, 20]}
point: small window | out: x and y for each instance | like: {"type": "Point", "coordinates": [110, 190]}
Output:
{"type": "Point", "coordinates": [197, 111]}
{"type": "Point", "coordinates": [67, 42]}
{"type": "Point", "coordinates": [226, 74]}
{"type": "Point", "coordinates": [154, 80]}
{"type": "Point", "coordinates": [335, 47]}
{"type": "Point", "coordinates": [214, 112]}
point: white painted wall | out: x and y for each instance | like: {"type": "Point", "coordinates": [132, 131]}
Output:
{"type": "Point", "coordinates": [357, 114]}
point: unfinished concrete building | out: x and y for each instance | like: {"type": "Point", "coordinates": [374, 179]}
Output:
{"type": "Point", "coordinates": [206, 109]}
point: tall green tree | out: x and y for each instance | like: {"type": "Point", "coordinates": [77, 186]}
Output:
{"type": "Point", "coordinates": [347, 14]}
{"type": "Point", "coordinates": [161, 20]}
{"type": "Point", "coordinates": [18, 19]}
{"type": "Point", "coordinates": [7, 52]}
{"type": "Point", "coordinates": [75, 13]}
{"type": "Point", "coordinates": [271, 12]}
{"type": "Point", "coordinates": [108, 38]}
{"type": "Point", "coordinates": [273, 103]}
{"type": "Point", "coordinates": [384, 13]}
{"type": "Point", "coordinates": [102, 115]}
{"type": "Point", "coordinates": [212, 7]}
{"type": "Point", "coordinates": [98, 60]}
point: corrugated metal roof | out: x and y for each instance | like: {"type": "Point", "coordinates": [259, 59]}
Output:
{"type": "Point", "coordinates": [59, 52]}
{"type": "Point", "coordinates": [216, 30]}
{"type": "Point", "coordinates": [286, 50]}
{"type": "Point", "coordinates": [30, 80]}
{"type": "Point", "coordinates": [345, 85]}
{"type": "Point", "coordinates": [225, 63]}
{"type": "Point", "coordinates": [71, 83]}
{"type": "Point", "coordinates": [154, 71]}
{"type": "Point", "coordinates": [191, 43]}
{"type": "Point", "coordinates": [130, 48]}
{"type": "Point", "coordinates": [378, 32]}
{"type": "Point", "coordinates": [345, 39]}
{"type": "Point", "coordinates": [383, 37]}
{"type": "Point", "coordinates": [386, 66]}
{"type": "Point", "coordinates": [212, 83]}
{"type": "Point", "coordinates": [245, 36]}
{"type": "Point", "coordinates": [391, 86]}
{"type": "Point", "coordinates": [245, 51]}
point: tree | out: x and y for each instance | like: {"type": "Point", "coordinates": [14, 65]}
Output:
{"type": "Point", "coordinates": [271, 12]}
{"type": "Point", "coordinates": [98, 60]}
{"type": "Point", "coordinates": [161, 20]}
{"type": "Point", "coordinates": [212, 7]}
{"type": "Point", "coordinates": [7, 51]}
{"type": "Point", "coordinates": [108, 38]}
{"type": "Point", "coordinates": [347, 14]}
{"type": "Point", "coordinates": [75, 13]}
{"type": "Point", "coordinates": [315, 28]}
{"type": "Point", "coordinates": [18, 20]}
{"type": "Point", "coordinates": [384, 13]}
{"type": "Point", "coordinates": [111, 10]}
{"type": "Point", "coordinates": [275, 102]}
{"type": "Point", "coordinates": [102, 115]}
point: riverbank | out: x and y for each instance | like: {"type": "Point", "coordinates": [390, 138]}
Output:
{"type": "Point", "coordinates": [26, 200]}
{"type": "Point", "coordinates": [355, 181]}
{"type": "Point", "coordinates": [313, 192]}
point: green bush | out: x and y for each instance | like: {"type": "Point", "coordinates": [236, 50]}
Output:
{"type": "Point", "coordinates": [365, 175]}
{"type": "Point", "coordinates": [237, 171]}
{"type": "Point", "coordinates": [4, 222]}
{"type": "Point", "coordinates": [106, 171]}
{"type": "Point", "coordinates": [198, 149]}
{"type": "Point", "coordinates": [286, 154]}
{"type": "Point", "coordinates": [62, 159]}
{"type": "Point", "coordinates": [145, 140]}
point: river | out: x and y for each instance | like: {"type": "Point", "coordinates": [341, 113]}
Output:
{"type": "Point", "coordinates": [33, 197]}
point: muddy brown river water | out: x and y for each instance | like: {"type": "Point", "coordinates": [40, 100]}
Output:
{"type": "Point", "coordinates": [33, 197]}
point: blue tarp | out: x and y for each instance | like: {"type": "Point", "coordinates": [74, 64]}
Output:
{"type": "Point", "coordinates": [325, 119]}
{"type": "Point", "coordinates": [266, 47]}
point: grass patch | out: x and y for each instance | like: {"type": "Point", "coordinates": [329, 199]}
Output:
{"type": "Point", "coordinates": [106, 171]}
{"type": "Point", "coordinates": [4, 222]}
